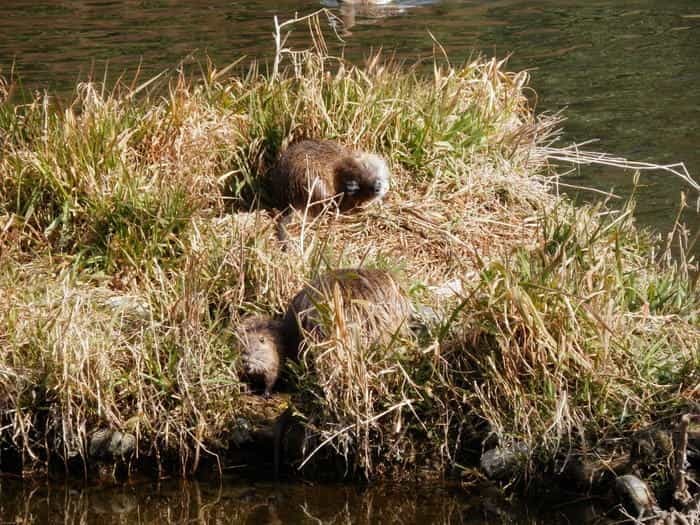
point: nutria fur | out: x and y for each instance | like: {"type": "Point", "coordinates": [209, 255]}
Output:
{"type": "Point", "coordinates": [263, 350]}
{"type": "Point", "coordinates": [312, 174]}
{"type": "Point", "coordinates": [371, 300]}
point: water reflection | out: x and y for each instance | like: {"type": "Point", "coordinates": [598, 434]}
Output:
{"type": "Point", "coordinates": [353, 13]}
{"type": "Point", "coordinates": [195, 502]}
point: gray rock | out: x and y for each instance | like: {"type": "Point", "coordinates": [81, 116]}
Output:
{"type": "Point", "coordinates": [502, 462]}
{"type": "Point", "coordinates": [99, 442]}
{"type": "Point", "coordinates": [121, 444]}
{"type": "Point", "coordinates": [634, 495]}
{"type": "Point", "coordinates": [106, 443]}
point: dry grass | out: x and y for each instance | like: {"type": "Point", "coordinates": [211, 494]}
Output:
{"type": "Point", "coordinates": [132, 243]}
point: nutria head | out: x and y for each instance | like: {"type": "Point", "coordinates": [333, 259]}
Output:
{"type": "Point", "coordinates": [360, 178]}
{"type": "Point", "coordinates": [375, 166]}
{"type": "Point", "coordinates": [262, 350]}
{"type": "Point", "coordinates": [313, 173]}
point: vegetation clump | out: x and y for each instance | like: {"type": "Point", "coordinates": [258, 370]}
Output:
{"type": "Point", "coordinates": [134, 241]}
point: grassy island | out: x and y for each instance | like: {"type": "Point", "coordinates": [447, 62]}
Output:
{"type": "Point", "coordinates": [135, 237]}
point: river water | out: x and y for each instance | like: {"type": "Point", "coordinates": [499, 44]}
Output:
{"type": "Point", "coordinates": [173, 501]}
{"type": "Point", "coordinates": [627, 73]}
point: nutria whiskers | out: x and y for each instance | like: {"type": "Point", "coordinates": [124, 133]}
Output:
{"type": "Point", "coordinates": [312, 174]}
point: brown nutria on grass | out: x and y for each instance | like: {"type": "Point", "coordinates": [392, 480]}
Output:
{"type": "Point", "coordinates": [312, 174]}
{"type": "Point", "coordinates": [263, 350]}
{"type": "Point", "coordinates": [371, 300]}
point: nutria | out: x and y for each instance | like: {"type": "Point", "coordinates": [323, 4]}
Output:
{"type": "Point", "coordinates": [371, 300]}
{"type": "Point", "coordinates": [263, 350]}
{"type": "Point", "coordinates": [312, 174]}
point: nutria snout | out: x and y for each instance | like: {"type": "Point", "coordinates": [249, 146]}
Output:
{"type": "Point", "coordinates": [313, 174]}
{"type": "Point", "coordinates": [371, 300]}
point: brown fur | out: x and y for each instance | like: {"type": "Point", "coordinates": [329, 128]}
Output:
{"type": "Point", "coordinates": [312, 174]}
{"type": "Point", "coordinates": [371, 299]}
{"type": "Point", "coordinates": [263, 350]}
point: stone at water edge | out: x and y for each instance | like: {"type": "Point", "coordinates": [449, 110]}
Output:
{"type": "Point", "coordinates": [122, 444]}
{"type": "Point", "coordinates": [108, 443]}
{"type": "Point", "coordinates": [502, 462]}
{"type": "Point", "coordinates": [634, 495]}
{"type": "Point", "coordinates": [99, 442]}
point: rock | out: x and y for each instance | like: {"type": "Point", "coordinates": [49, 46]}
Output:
{"type": "Point", "coordinates": [503, 462]}
{"type": "Point", "coordinates": [634, 495]}
{"type": "Point", "coordinates": [108, 443]}
{"type": "Point", "coordinates": [121, 444]}
{"type": "Point", "coordinates": [99, 442]}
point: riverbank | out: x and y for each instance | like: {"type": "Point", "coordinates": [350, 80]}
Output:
{"type": "Point", "coordinates": [134, 238]}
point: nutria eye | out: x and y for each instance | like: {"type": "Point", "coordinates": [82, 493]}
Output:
{"type": "Point", "coordinates": [262, 339]}
{"type": "Point", "coordinates": [351, 187]}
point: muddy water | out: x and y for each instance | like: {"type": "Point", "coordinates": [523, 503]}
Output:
{"type": "Point", "coordinates": [232, 502]}
{"type": "Point", "coordinates": [627, 72]}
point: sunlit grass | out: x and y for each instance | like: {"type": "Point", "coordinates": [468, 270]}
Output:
{"type": "Point", "coordinates": [132, 243]}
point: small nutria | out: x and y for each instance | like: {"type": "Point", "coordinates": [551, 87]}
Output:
{"type": "Point", "coordinates": [371, 300]}
{"type": "Point", "coordinates": [313, 173]}
{"type": "Point", "coordinates": [263, 350]}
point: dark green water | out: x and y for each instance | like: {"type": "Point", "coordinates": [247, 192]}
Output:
{"type": "Point", "coordinates": [627, 73]}
{"type": "Point", "coordinates": [195, 502]}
